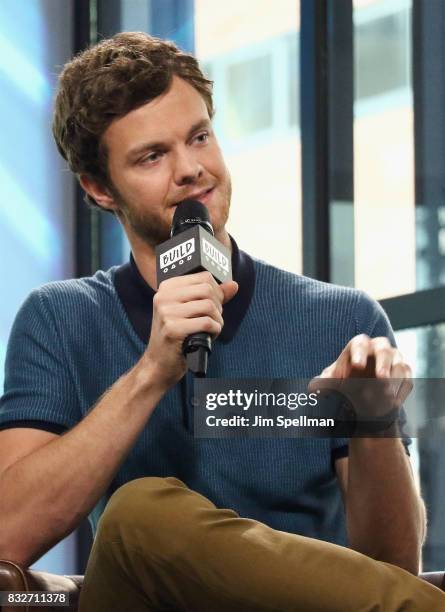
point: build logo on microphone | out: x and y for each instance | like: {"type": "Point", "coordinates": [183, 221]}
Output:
{"type": "Point", "coordinates": [177, 255]}
{"type": "Point", "coordinates": [215, 257]}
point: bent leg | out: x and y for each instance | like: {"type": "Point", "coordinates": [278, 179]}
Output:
{"type": "Point", "coordinates": [161, 546]}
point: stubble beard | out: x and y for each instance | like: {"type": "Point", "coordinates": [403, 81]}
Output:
{"type": "Point", "coordinates": [153, 229]}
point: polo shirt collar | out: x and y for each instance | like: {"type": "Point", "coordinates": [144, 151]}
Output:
{"type": "Point", "coordinates": [136, 295]}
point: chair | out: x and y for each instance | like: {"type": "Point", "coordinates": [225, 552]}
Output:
{"type": "Point", "coordinates": [16, 578]}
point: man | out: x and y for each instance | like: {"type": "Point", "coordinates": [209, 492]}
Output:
{"type": "Point", "coordinates": [97, 395]}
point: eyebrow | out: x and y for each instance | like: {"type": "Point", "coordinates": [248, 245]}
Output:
{"type": "Point", "coordinates": [203, 123]}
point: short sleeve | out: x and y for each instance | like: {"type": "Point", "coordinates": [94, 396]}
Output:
{"type": "Point", "coordinates": [38, 388]}
{"type": "Point", "coordinates": [371, 319]}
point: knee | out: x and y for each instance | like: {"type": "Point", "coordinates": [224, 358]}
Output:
{"type": "Point", "coordinates": [143, 508]}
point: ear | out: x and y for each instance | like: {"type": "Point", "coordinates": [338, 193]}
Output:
{"type": "Point", "coordinates": [101, 194]}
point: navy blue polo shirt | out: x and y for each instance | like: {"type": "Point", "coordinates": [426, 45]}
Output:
{"type": "Point", "coordinates": [73, 339]}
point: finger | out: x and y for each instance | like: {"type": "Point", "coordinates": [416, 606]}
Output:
{"type": "Point", "coordinates": [405, 389]}
{"type": "Point", "coordinates": [315, 383]}
{"type": "Point", "coordinates": [399, 367]}
{"type": "Point", "coordinates": [193, 292]}
{"type": "Point", "coordinates": [328, 370]}
{"type": "Point", "coordinates": [356, 351]}
{"type": "Point", "coordinates": [230, 289]}
{"type": "Point", "coordinates": [401, 371]}
{"type": "Point", "coordinates": [384, 355]}
{"type": "Point", "coordinates": [324, 382]}
{"type": "Point", "coordinates": [197, 308]}
{"type": "Point", "coordinates": [337, 369]}
{"type": "Point", "coordinates": [190, 279]}
{"type": "Point", "coordinates": [179, 329]}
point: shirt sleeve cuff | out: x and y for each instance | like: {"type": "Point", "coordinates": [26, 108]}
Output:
{"type": "Point", "coordinates": [44, 425]}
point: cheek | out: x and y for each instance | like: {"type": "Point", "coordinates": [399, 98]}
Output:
{"type": "Point", "coordinates": [217, 164]}
{"type": "Point", "coordinates": [152, 186]}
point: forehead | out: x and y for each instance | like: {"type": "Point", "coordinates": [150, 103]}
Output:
{"type": "Point", "coordinates": [164, 119]}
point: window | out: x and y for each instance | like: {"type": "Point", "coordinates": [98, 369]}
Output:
{"type": "Point", "coordinates": [424, 347]}
{"type": "Point", "coordinates": [254, 65]}
{"type": "Point", "coordinates": [249, 95]}
{"type": "Point", "coordinates": [36, 193]}
{"type": "Point", "coordinates": [384, 211]}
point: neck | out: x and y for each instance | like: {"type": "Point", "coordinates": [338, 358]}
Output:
{"type": "Point", "coordinates": [145, 256]}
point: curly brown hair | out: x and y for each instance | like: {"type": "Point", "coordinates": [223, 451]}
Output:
{"type": "Point", "coordinates": [107, 81]}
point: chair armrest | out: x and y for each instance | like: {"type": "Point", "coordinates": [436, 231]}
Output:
{"type": "Point", "coordinates": [435, 578]}
{"type": "Point", "coordinates": [15, 578]}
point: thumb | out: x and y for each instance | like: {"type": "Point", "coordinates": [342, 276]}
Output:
{"type": "Point", "coordinates": [230, 289]}
{"type": "Point", "coordinates": [323, 382]}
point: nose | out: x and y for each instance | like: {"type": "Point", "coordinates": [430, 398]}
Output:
{"type": "Point", "coordinates": [187, 168]}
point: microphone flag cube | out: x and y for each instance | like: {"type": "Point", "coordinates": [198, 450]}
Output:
{"type": "Point", "coordinates": [193, 250]}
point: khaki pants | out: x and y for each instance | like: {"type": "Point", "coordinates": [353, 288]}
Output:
{"type": "Point", "coordinates": [162, 546]}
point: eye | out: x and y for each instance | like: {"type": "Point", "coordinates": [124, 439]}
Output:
{"type": "Point", "coordinates": [151, 158]}
{"type": "Point", "coordinates": [203, 137]}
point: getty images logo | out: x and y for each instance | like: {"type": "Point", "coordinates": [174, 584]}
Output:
{"type": "Point", "coordinates": [177, 255]}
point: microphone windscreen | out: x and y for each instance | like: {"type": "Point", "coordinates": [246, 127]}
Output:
{"type": "Point", "coordinates": [190, 212]}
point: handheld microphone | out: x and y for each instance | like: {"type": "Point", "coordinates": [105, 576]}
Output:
{"type": "Point", "coordinates": [193, 248]}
